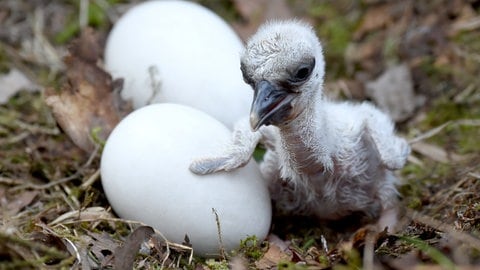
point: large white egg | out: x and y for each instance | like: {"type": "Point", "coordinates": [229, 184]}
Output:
{"type": "Point", "coordinates": [179, 52]}
{"type": "Point", "coordinates": [145, 175]}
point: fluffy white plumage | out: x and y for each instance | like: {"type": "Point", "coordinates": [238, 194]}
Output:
{"type": "Point", "coordinates": [323, 158]}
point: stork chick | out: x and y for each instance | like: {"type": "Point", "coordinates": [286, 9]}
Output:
{"type": "Point", "coordinates": [323, 158]}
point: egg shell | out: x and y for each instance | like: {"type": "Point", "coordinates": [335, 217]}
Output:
{"type": "Point", "coordinates": [145, 175]}
{"type": "Point", "coordinates": [179, 52]}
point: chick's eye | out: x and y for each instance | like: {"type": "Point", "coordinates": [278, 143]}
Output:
{"type": "Point", "coordinates": [302, 73]}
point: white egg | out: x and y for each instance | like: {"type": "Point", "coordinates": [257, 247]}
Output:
{"type": "Point", "coordinates": [179, 52]}
{"type": "Point", "coordinates": [145, 175]}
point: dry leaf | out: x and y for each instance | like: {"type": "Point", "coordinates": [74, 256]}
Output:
{"type": "Point", "coordinates": [256, 12]}
{"type": "Point", "coordinates": [357, 52]}
{"type": "Point", "coordinates": [436, 153]}
{"type": "Point", "coordinates": [238, 263]}
{"type": "Point", "coordinates": [88, 100]}
{"type": "Point", "coordinates": [96, 249]}
{"type": "Point", "coordinates": [103, 246]}
{"type": "Point", "coordinates": [275, 240]}
{"type": "Point", "coordinates": [124, 256]}
{"type": "Point", "coordinates": [393, 92]}
{"type": "Point", "coordinates": [19, 202]}
{"type": "Point", "coordinates": [374, 19]}
{"type": "Point", "coordinates": [24, 199]}
{"type": "Point", "coordinates": [272, 257]}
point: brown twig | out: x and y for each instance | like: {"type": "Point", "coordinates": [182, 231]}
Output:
{"type": "Point", "coordinates": [436, 224]}
{"type": "Point", "coordinates": [434, 131]}
{"type": "Point", "coordinates": [219, 231]}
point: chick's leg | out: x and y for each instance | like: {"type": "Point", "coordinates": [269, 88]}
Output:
{"type": "Point", "coordinates": [389, 197]}
{"type": "Point", "coordinates": [236, 154]}
{"type": "Point", "coordinates": [270, 168]}
{"type": "Point", "coordinates": [392, 149]}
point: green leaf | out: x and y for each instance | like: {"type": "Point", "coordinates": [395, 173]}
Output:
{"type": "Point", "coordinates": [432, 252]}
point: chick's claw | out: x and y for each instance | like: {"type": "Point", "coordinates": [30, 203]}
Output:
{"type": "Point", "coordinates": [206, 166]}
{"type": "Point", "coordinates": [210, 165]}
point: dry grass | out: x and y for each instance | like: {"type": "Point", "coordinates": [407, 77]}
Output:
{"type": "Point", "coordinates": [54, 213]}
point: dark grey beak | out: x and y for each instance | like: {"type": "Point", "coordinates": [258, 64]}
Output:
{"type": "Point", "coordinates": [270, 105]}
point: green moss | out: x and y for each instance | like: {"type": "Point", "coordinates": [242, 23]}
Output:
{"type": "Point", "coordinates": [217, 265]}
{"type": "Point", "coordinates": [324, 261]}
{"type": "Point", "coordinates": [97, 18]}
{"type": "Point", "coordinates": [414, 202]}
{"type": "Point", "coordinates": [30, 226]}
{"type": "Point", "coordinates": [446, 110]}
{"type": "Point", "coordinates": [76, 192]}
{"type": "Point", "coordinates": [439, 77]}
{"type": "Point", "coordinates": [68, 32]}
{"type": "Point", "coordinates": [390, 50]}
{"type": "Point", "coordinates": [353, 261]}
{"type": "Point", "coordinates": [251, 247]}
{"type": "Point", "coordinates": [308, 242]}
{"type": "Point", "coordinates": [335, 28]}
{"type": "Point", "coordinates": [291, 266]}
{"type": "Point", "coordinates": [96, 135]}
{"type": "Point", "coordinates": [469, 38]}
{"type": "Point", "coordinates": [225, 9]}
{"type": "Point", "coordinates": [420, 180]}
{"type": "Point", "coordinates": [435, 254]}
{"type": "Point", "coordinates": [469, 141]}
{"type": "Point", "coordinates": [412, 189]}
{"type": "Point", "coordinates": [462, 138]}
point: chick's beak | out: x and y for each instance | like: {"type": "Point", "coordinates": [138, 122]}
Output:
{"type": "Point", "coordinates": [270, 105]}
